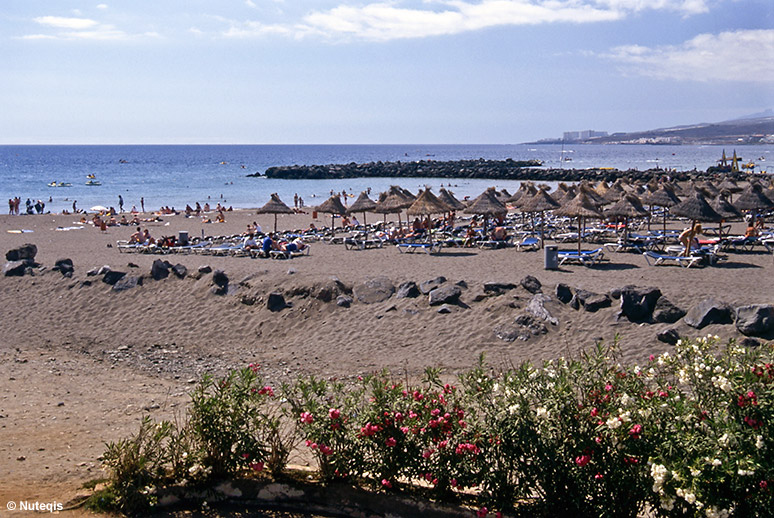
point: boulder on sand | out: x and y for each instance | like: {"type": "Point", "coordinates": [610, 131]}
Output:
{"type": "Point", "coordinates": [25, 252]}
{"type": "Point", "coordinates": [449, 294]}
{"type": "Point", "coordinates": [709, 311]}
{"type": "Point", "coordinates": [755, 319]}
{"type": "Point", "coordinates": [374, 290]}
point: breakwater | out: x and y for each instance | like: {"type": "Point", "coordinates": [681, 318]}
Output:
{"type": "Point", "coordinates": [485, 169]}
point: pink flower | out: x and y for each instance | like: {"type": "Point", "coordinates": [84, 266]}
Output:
{"type": "Point", "coordinates": [608, 387]}
{"type": "Point", "coordinates": [453, 482]}
{"type": "Point", "coordinates": [582, 460]}
{"type": "Point", "coordinates": [651, 357]}
{"type": "Point", "coordinates": [418, 396]}
{"type": "Point", "coordinates": [326, 450]}
{"type": "Point", "coordinates": [334, 413]}
{"type": "Point", "coordinates": [386, 483]}
{"type": "Point", "coordinates": [306, 418]}
{"type": "Point", "coordinates": [398, 416]}
{"type": "Point", "coordinates": [599, 476]}
{"type": "Point", "coordinates": [482, 512]}
{"type": "Point", "coordinates": [245, 455]}
{"type": "Point", "coordinates": [435, 412]}
{"type": "Point", "coordinates": [390, 442]}
{"type": "Point", "coordinates": [636, 431]}
{"type": "Point", "coordinates": [257, 466]}
{"type": "Point", "coordinates": [267, 390]}
{"type": "Point", "coordinates": [763, 484]}
{"type": "Point", "coordinates": [426, 454]}
{"type": "Point", "coordinates": [594, 412]}
{"type": "Point", "coordinates": [404, 429]}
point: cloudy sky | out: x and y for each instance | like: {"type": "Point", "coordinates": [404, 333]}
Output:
{"type": "Point", "coordinates": [375, 71]}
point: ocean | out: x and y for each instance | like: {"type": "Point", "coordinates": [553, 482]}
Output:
{"type": "Point", "coordinates": [179, 175]}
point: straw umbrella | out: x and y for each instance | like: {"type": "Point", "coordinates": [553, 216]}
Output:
{"type": "Point", "coordinates": [540, 202]}
{"type": "Point", "coordinates": [393, 202]}
{"type": "Point", "coordinates": [448, 198]}
{"type": "Point", "coordinates": [580, 207]}
{"type": "Point", "coordinates": [275, 206]}
{"type": "Point", "coordinates": [629, 206]}
{"type": "Point", "coordinates": [426, 204]}
{"type": "Point", "coordinates": [487, 204]}
{"type": "Point", "coordinates": [593, 196]}
{"type": "Point", "coordinates": [614, 193]}
{"type": "Point", "coordinates": [521, 191]}
{"type": "Point", "coordinates": [696, 209]}
{"type": "Point", "coordinates": [362, 204]}
{"type": "Point", "coordinates": [663, 197]}
{"type": "Point", "coordinates": [332, 206]}
{"type": "Point", "coordinates": [725, 208]}
{"type": "Point", "coordinates": [753, 198]}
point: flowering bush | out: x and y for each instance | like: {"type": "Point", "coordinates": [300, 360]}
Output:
{"type": "Point", "coordinates": [688, 434]}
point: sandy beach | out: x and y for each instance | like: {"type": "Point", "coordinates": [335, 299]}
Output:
{"type": "Point", "coordinates": [80, 363]}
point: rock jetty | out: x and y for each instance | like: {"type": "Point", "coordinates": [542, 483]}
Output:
{"type": "Point", "coordinates": [488, 169]}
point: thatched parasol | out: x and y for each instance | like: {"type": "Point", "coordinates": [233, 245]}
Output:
{"type": "Point", "coordinates": [518, 194]}
{"type": "Point", "coordinates": [448, 198]}
{"type": "Point", "coordinates": [696, 209]}
{"type": "Point", "coordinates": [486, 204]}
{"type": "Point", "coordinates": [602, 187]}
{"type": "Point", "coordinates": [275, 206]}
{"type": "Point", "coordinates": [729, 185]}
{"type": "Point", "coordinates": [526, 191]}
{"type": "Point", "coordinates": [362, 204]}
{"type": "Point", "coordinates": [392, 202]}
{"type": "Point", "coordinates": [726, 209]}
{"type": "Point", "coordinates": [332, 206]}
{"type": "Point", "coordinates": [629, 206]}
{"type": "Point", "coordinates": [615, 192]}
{"type": "Point", "coordinates": [753, 198]}
{"type": "Point", "coordinates": [580, 207]}
{"type": "Point", "coordinates": [591, 193]}
{"type": "Point", "coordinates": [427, 203]}
{"type": "Point", "coordinates": [663, 197]}
{"type": "Point", "coordinates": [540, 202]}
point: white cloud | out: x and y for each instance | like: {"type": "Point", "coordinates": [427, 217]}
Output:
{"type": "Point", "coordinates": [250, 3]}
{"type": "Point", "coordinates": [102, 6]}
{"type": "Point", "coordinates": [745, 56]}
{"type": "Point", "coordinates": [65, 23]}
{"type": "Point", "coordinates": [391, 19]}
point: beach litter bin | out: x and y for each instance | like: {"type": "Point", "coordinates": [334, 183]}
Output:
{"type": "Point", "coordinates": [182, 237]}
{"type": "Point", "coordinates": [551, 258]}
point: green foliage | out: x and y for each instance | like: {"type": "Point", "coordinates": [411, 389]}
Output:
{"type": "Point", "coordinates": [689, 434]}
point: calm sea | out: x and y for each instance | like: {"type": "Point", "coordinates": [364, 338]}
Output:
{"type": "Point", "coordinates": [176, 175]}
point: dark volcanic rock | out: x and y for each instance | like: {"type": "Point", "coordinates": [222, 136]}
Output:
{"type": "Point", "coordinates": [531, 284]}
{"type": "Point", "coordinates": [668, 336]}
{"type": "Point", "coordinates": [755, 320]}
{"type": "Point", "coordinates": [667, 313]}
{"type": "Point", "coordinates": [508, 333]}
{"type": "Point", "coordinates": [534, 325]}
{"type": "Point", "coordinates": [15, 268]}
{"type": "Point", "coordinates": [407, 290]}
{"type": "Point", "coordinates": [329, 290]}
{"type": "Point", "coordinates": [498, 287]}
{"type": "Point", "coordinates": [159, 270]}
{"type": "Point", "coordinates": [589, 301]}
{"type": "Point", "coordinates": [220, 278]}
{"type": "Point", "coordinates": [428, 286]}
{"type": "Point", "coordinates": [26, 251]}
{"type": "Point", "coordinates": [445, 295]}
{"type": "Point", "coordinates": [276, 302]}
{"type": "Point", "coordinates": [205, 269]}
{"type": "Point", "coordinates": [709, 311]}
{"type": "Point", "coordinates": [563, 293]}
{"type": "Point", "coordinates": [444, 309]}
{"type": "Point", "coordinates": [344, 301]}
{"type": "Point", "coordinates": [376, 289]}
{"type": "Point", "coordinates": [65, 267]}
{"type": "Point", "coordinates": [127, 282]}
{"type": "Point", "coordinates": [180, 271]}
{"type": "Point", "coordinates": [637, 304]}
{"type": "Point", "coordinates": [112, 277]}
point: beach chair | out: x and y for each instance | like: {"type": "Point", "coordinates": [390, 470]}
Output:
{"type": "Point", "coordinates": [410, 248]}
{"type": "Point", "coordinates": [528, 243]}
{"type": "Point", "coordinates": [285, 254]}
{"type": "Point", "coordinates": [679, 260]}
{"type": "Point", "coordinates": [585, 257]}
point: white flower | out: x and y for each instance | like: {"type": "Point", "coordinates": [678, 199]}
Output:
{"type": "Point", "coordinates": [745, 472]}
{"type": "Point", "coordinates": [626, 400]}
{"type": "Point", "coordinates": [513, 409]}
{"type": "Point", "coordinates": [542, 413]}
{"type": "Point", "coordinates": [723, 440]}
{"type": "Point", "coordinates": [716, 462]}
{"type": "Point", "coordinates": [759, 441]}
{"type": "Point", "coordinates": [695, 472]}
{"type": "Point", "coordinates": [613, 423]}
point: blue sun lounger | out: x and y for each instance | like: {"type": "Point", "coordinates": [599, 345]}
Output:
{"type": "Point", "coordinates": [679, 260]}
{"type": "Point", "coordinates": [410, 248]}
{"type": "Point", "coordinates": [585, 257]}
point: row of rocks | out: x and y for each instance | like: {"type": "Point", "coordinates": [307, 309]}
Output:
{"type": "Point", "coordinates": [648, 305]}
{"type": "Point", "coordinates": [490, 169]}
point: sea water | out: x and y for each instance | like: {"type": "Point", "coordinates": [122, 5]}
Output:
{"type": "Point", "coordinates": [179, 175]}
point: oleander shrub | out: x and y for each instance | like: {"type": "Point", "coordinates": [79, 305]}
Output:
{"type": "Point", "coordinates": [687, 434]}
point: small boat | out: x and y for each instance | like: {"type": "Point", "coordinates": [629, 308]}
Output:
{"type": "Point", "coordinates": [60, 184]}
{"type": "Point", "coordinates": [93, 183]}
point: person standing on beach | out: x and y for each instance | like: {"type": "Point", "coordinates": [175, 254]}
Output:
{"type": "Point", "coordinates": [120, 203]}
{"type": "Point", "coordinates": [74, 208]}
{"type": "Point", "coordinates": [295, 200]}
{"type": "Point", "coordinates": [142, 204]}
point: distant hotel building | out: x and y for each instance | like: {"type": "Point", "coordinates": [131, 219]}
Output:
{"type": "Point", "coordinates": [571, 136]}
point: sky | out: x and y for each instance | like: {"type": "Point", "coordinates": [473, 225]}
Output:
{"type": "Point", "coordinates": [375, 71]}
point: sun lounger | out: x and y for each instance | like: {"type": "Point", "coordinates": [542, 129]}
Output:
{"type": "Point", "coordinates": [351, 243]}
{"type": "Point", "coordinates": [585, 257]}
{"type": "Point", "coordinates": [410, 248]}
{"type": "Point", "coordinates": [679, 260]}
{"type": "Point", "coordinates": [285, 254]}
{"type": "Point", "coordinates": [528, 243]}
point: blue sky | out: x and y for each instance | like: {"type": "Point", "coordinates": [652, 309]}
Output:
{"type": "Point", "coordinates": [375, 71]}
